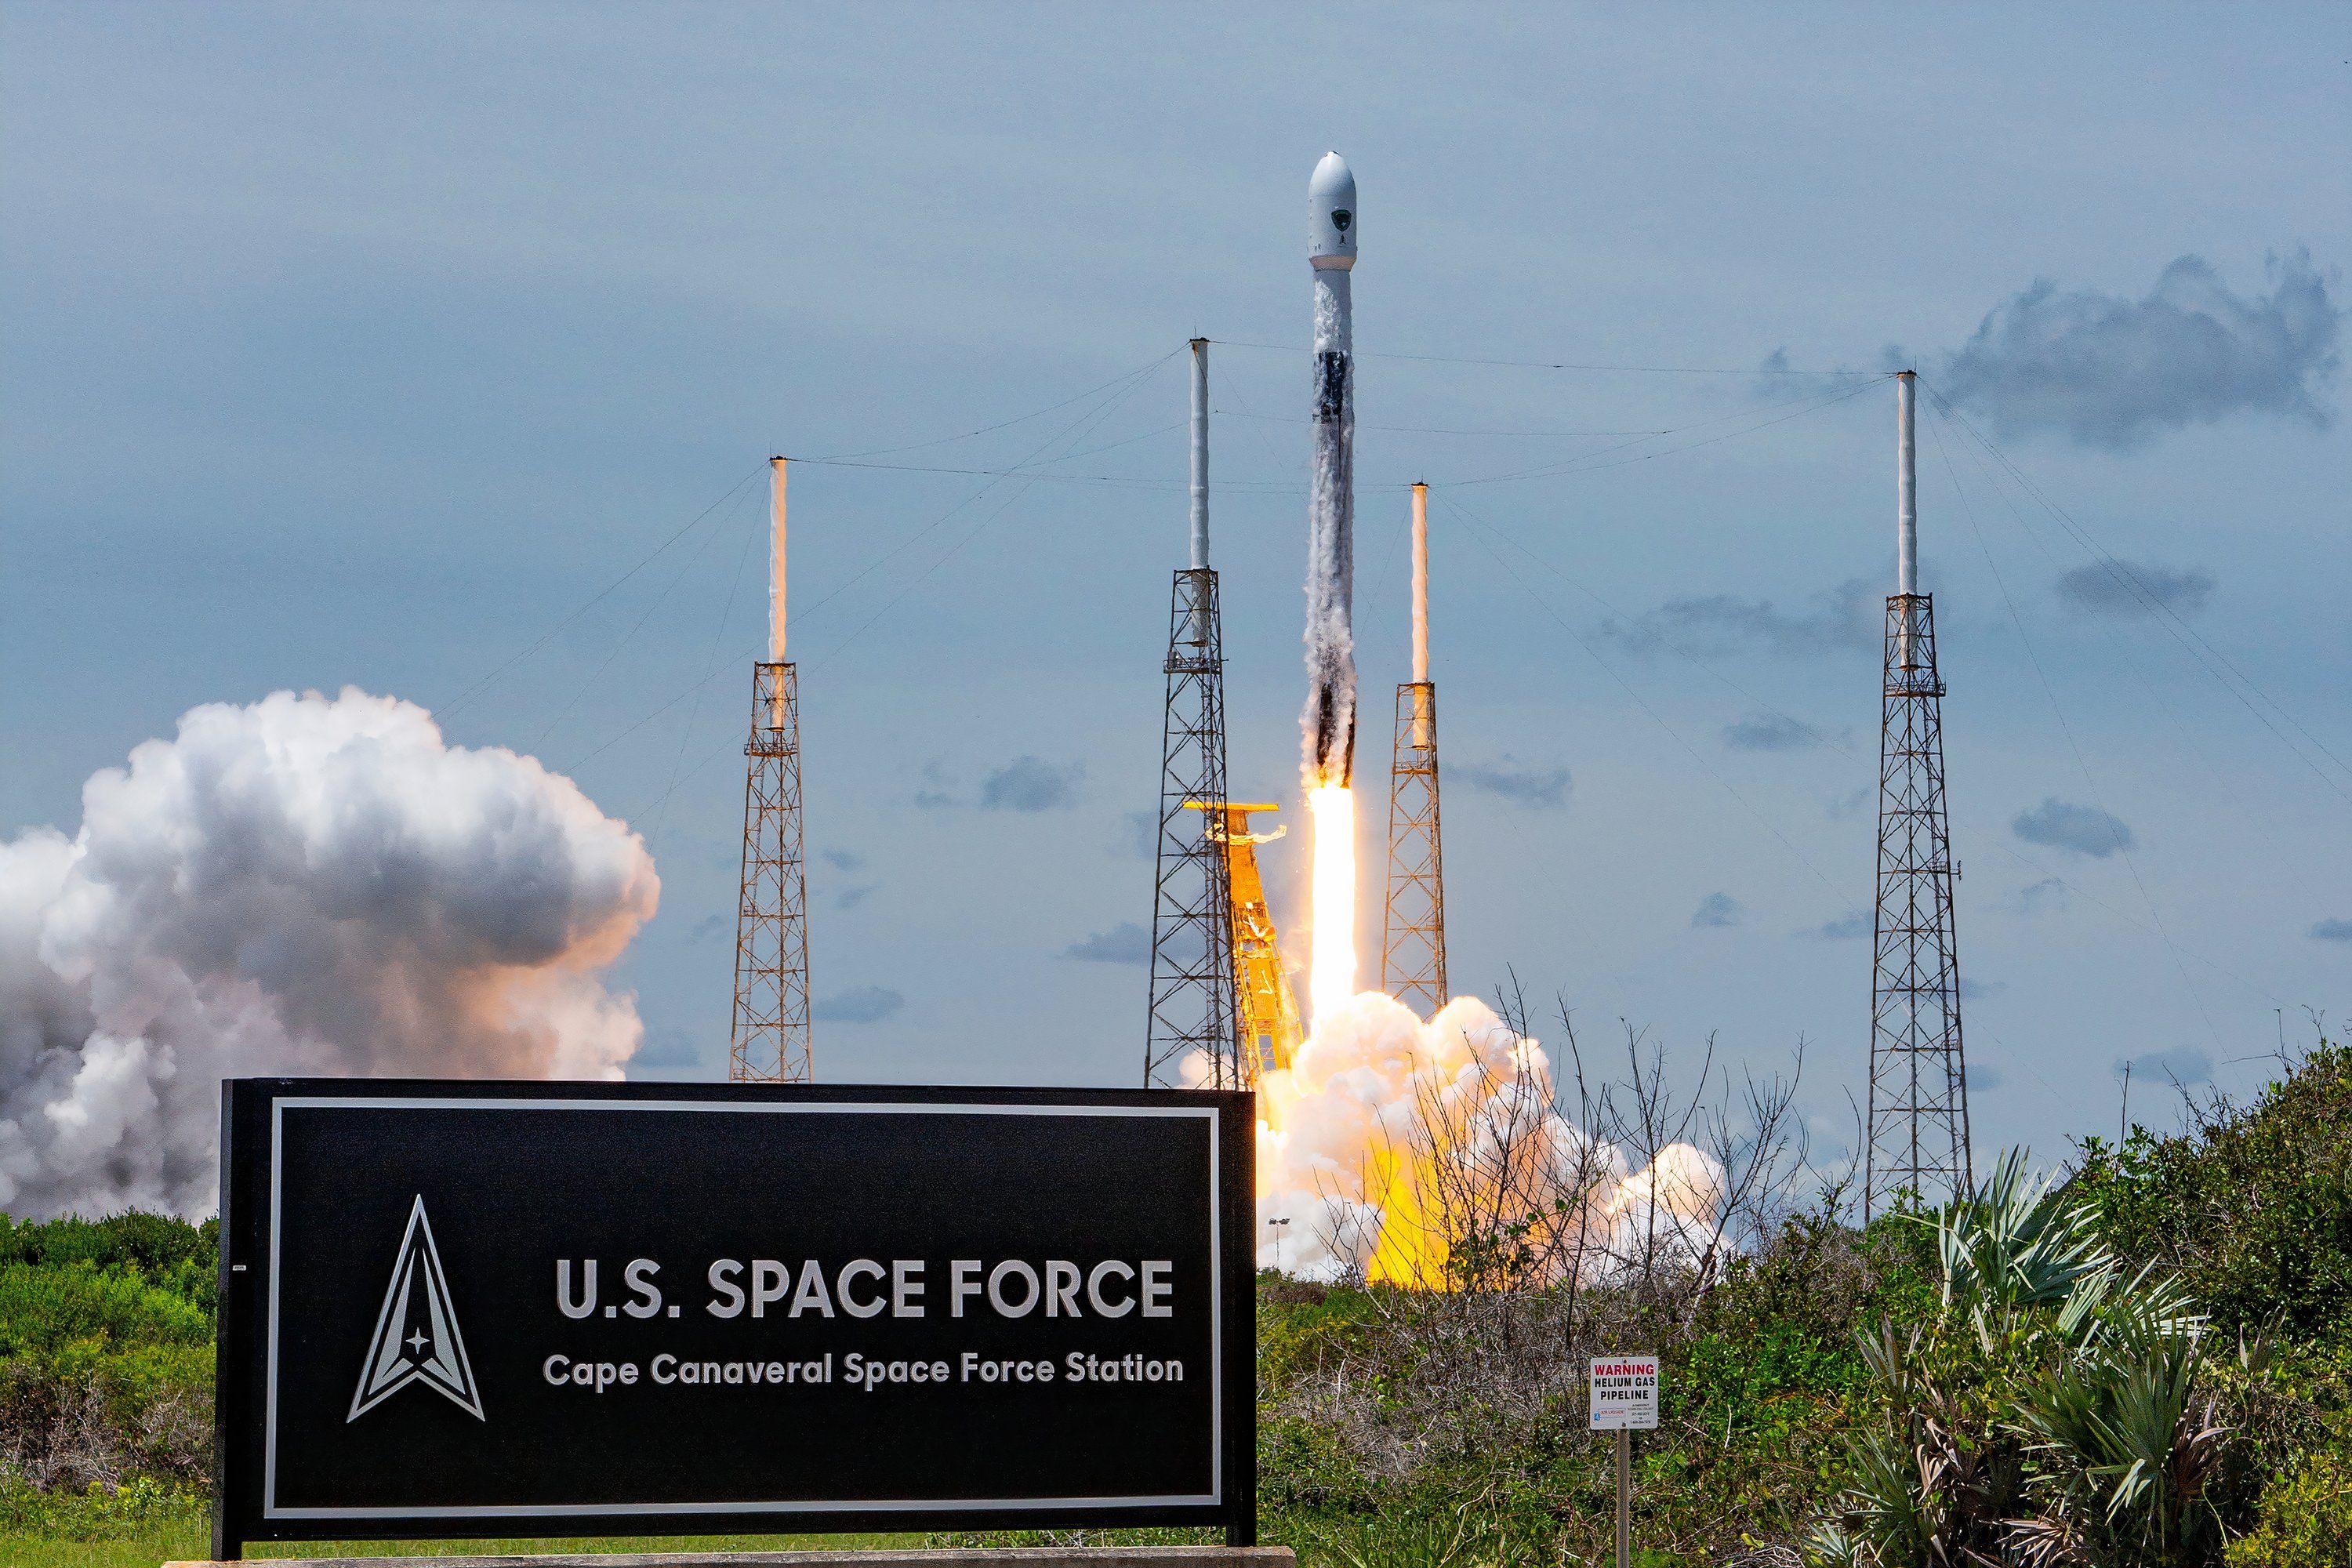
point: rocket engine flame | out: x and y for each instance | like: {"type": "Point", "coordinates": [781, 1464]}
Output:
{"type": "Point", "coordinates": [1331, 976]}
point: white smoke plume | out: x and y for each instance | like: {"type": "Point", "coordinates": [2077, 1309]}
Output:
{"type": "Point", "coordinates": [1387, 1131]}
{"type": "Point", "coordinates": [302, 886]}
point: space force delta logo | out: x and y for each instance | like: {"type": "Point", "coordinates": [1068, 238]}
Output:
{"type": "Point", "coordinates": [417, 1338]}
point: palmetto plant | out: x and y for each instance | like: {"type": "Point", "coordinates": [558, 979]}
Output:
{"type": "Point", "coordinates": [2012, 1243]}
{"type": "Point", "coordinates": [2095, 1433]}
{"type": "Point", "coordinates": [2122, 1434]}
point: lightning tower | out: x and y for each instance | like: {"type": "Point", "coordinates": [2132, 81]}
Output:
{"type": "Point", "coordinates": [1191, 1006]}
{"type": "Point", "coordinates": [1918, 1079]}
{"type": "Point", "coordinates": [1413, 940]}
{"type": "Point", "coordinates": [770, 1042]}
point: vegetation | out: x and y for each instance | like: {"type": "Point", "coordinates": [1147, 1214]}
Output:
{"type": "Point", "coordinates": [2145, 1361]}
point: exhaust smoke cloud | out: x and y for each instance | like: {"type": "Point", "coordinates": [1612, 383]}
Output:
{"type": "Point", "coordinates": [1391, 1140]}
{"type": "Point", "coordinates": [304, 885]}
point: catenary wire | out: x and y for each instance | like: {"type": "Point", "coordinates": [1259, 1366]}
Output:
{"type": "Point", "coordinates": [594, 600]}
{"type": "Point", "coordinates": [1640, 702]}
{"type": "Point", "coordinates": [1549, 365]}
{"type": "Point", "coordinates": [2186, 634]}
{"type": "Point", "coordinates": [2082, 763]}
{"type": "Point", "coordinates": [1002, 424]}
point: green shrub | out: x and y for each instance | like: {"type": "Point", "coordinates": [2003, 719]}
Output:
{"type": "Point", "coordinates": [2305, 1520]}
{"type": "Point", "coordinates": [2252, 1205]}
{"type": "Point", "coordinates": [106, 1351]}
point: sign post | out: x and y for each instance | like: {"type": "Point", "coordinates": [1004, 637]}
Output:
{"type": "Point", "coordinates": [1624, 1400]}
{"type": "Point", "coordinates": [466, 1309]}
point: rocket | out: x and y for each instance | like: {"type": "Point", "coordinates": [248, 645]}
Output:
{"type": "Point", "coordinates": [1330, 721]}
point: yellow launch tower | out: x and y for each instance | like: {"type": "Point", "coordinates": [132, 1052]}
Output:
{"type": "Point", "coordinates": [1265, 1010]}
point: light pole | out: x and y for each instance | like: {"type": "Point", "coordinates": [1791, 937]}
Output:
{"type": "Point", "coordinates": [1279, 1220]}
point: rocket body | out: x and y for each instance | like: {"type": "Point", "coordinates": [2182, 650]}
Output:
{"type": "Point", "coordinates": [1330, 721]}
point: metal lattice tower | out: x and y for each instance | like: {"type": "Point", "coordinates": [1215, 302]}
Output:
{"type": "Point", "coordinates": [1192, 1007]}
{"type": "Point", "coordinates": [1412, 934]}
{"type": "Point", "coordinates": [1918, 1076]}
{"type": "Point", "coordinates": [1191, 906]}
{"type": "Point", "coordinates": [770, 1040]}
{"type": "Point", "coordinates": [1413, 940]}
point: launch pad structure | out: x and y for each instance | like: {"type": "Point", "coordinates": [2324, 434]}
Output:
{"type": "Point", "coordinates": [1265, 1008]}
{"type": "Point", "coordinates": [1919, 1073]}
{"type": "Point", "coordinates": [1412, 934]}
{"type": "Point", "coordinates": [768, 1039]}
{"type": "Point", "coordinates": [1191, 1013]}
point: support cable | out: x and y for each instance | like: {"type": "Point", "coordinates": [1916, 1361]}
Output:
{"type": "Point", "coordinates": [710, 670]}
{"type": "Point", "coordinates": [2080, 763]}
{"type": "Point", "coordinates": [1696, 663]}
{"type": "Point", "coordinates": [2180, 630]}
{"type": "Point", "coordinates": [1655, 717]}
{"type": "Point", "coordinates": [1558, 364]}
{"type": "Point", "coordinates": [594, 600]}
{"type": "Point", "coordinates": [1075, 430]}
{"type": "Point", "coordinates": [1584, 465]}
{"type": "Point", "coordinates": [1000, 424]}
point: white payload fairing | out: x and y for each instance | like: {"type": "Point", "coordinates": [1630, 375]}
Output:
{"type": "Point", "coordinates": [1330, 718]}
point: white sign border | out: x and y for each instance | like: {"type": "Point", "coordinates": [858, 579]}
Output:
{"type": "Point", "coordinates": [1214, 1496]}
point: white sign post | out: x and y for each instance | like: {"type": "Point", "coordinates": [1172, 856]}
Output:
{"type": "Point", "coordinates": [1624, 1400]}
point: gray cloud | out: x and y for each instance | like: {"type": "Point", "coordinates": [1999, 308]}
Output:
{"type": "Point", "coordinates": [1139, 833]}
{"type": "Point", "coordinates": [1771, 732]}
{"type": "Point", "coordinates": [1538, 788]}
{"type": "Point", "coordinates": [858, 1005]}
{"type": "Point", "coordinates": [2062, 824]}
{"type": "Point", "coordinates": [1847, 805]}
{"type": "Point", "coordinates": [1032, 783]}
{"type": "Point", "coordinates": [1126, 942]}
{"type": "Point", "coordinates": [2183, 1064]}
{"type": "Point", "coordinates": [850, 898]}
{"type": "Point", "coordinates": [1858, 922]}
{"type": "Point", "coordinates": [1716, 910]}
{"type": "Point", "coordinates": [843, 860]}
{"type": "Point", "coordinates": [1984, 1075]}
{"type": "Point", "coordinates": [706, 928]}
{"type": "Point", "coordinates": [2112, 373]}
{"type": "Point", "coordinates": [1973, 990]}
{"type": "Point", "coordinates": [2114, 587]}
{"type": "Point", "coordinates": [1715, 625]}
{"type": "Point", "coordinates": [2332, 931]}
{"type": "Point", "coordinates": [934, 794]}
{"type": "Point", "coordinates": [2049, 893]}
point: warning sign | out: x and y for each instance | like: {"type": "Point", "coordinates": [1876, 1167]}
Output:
{"type": "Point", "coordinates": [1625, 1393]}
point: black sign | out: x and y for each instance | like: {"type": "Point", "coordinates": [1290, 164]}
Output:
{"type": "Point", "coordinates": [537, 1309]}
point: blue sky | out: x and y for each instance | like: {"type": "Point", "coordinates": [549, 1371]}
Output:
{"type": "Point", "coordinates": [368, 344]}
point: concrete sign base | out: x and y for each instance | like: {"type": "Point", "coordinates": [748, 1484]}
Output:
{"type": "Point", "coordinates": [1008, 1557]}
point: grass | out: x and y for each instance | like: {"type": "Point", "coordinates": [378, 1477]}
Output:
{"type": "Point", "coordinates": [1409, 1429]}
{"type": "Point", "coordinates": [189, 1540]}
